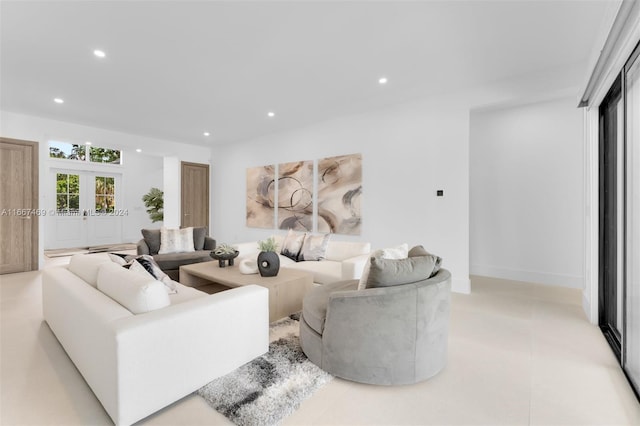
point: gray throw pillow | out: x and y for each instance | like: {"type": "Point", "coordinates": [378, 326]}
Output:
{"type": "Point", "coordinates": [420, 251]}
{"type": "Point", "coordinates": [152, 238]}
{"type": "Point", "coordinates": [314, 247]}
{"type": "Point", "coordinates": [198, 237]}
{"type": "Point", "coordinates": [391, 272]}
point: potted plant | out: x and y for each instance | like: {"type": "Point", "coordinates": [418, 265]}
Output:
{"type": "Point", "coordinates": [268, 260]}
{"type": "Point", "coordinates": [224, 252]}
{"type": "Point", "coordinates": [154, 202]}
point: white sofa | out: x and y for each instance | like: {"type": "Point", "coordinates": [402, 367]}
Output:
{"type": "Point", "coordinates": [345, 260]}
{"type": "Point", "coordinates": [137, 364]}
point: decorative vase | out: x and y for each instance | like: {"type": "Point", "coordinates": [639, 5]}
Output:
{"type": "Point", "coordinates": [268, 263]}
{"type": "Point", "coordinates": [222, 258]}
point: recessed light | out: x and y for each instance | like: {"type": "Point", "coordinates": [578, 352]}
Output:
{"type": "Point", "coordinates": [99, 53]}
{"type": "Point", "coordinates": [206, 133]}
{"type": "Point", "coordinates": [58, 100]}
{"type": "Point", "coordinates": [382, 80]}
{"type": "Point", "coordinates": [87, 143]}
{"type": "Point", "coordinates": [271, 114]}
{"type": "Point", "coordinates": [138, 150]}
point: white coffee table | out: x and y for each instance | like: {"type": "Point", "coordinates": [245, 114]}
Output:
{"type": "Point", "coordinates": [286, 290]}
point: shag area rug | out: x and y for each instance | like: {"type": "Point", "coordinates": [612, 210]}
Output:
{"type": "Point", "coordinates": [271, 387]}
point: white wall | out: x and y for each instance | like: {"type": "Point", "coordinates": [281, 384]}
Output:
{"type": "Point", "coordinates": [527, 193]}
{"type": "Point", "coordinates": [408, 152]}
{"type": "Point", "coordinates": [140, 172]}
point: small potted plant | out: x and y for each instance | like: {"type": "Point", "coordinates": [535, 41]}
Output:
{"type": "Point", "coordinates": [224, 252]}
{"type": "Point", "coordinates": [268, 260]}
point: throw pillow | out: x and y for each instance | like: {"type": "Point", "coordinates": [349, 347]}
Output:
{"type": "Point", "coordinates": [391, 272]}
{"type": "Point", "coordinates": [420, 251]}
{"type": "Point", "coordinates": [147, 264]}
{"type": "Point", "coordinates": [152, 238]}
{"type": "Point", "coordinates": [198, 237]}
{"type": "Point", "coordinates": [176, 240]}
{"type": "Point", "coordinates": [292, 245]}
{"type": "Point", "coordinates": [132, 290]}
{"type": "Point", "coordinates": [399, 252]}
{"type": "Point", "coordinates": [120, 259]}
{"type": "Point", "coordinates": [314, 247]}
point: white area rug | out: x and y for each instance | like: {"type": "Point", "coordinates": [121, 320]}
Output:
{"type": "Point", "coordinates": [271, 387]}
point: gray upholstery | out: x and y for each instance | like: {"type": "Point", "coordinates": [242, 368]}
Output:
{"type": "Point", "coordinates": [386, 336]}
{"type": "Point", "coordinates": [170, 262]}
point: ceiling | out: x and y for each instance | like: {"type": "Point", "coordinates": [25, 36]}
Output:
{"type": "Point", "coordinates": [176, 69]}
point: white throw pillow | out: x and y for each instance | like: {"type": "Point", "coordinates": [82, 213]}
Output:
{"type": "Point", "coordinates": [399, 252]}
{"type": "Point", "coordinates": [131, 289]}
{"type": "Point", "coordinates": [176, 240]}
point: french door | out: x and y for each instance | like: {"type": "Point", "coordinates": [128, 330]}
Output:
{"type": "Point", "coordinates": [85, 209]}
{"type": "Point", "coordinates": [619, 236]}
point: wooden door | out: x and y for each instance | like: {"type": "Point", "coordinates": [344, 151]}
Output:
{"type": "Point", "coordinates": [195, 195]}
{"type": "Point", "coordinates": [19, 211]}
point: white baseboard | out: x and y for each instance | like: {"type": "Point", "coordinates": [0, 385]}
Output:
{"type": "Point", "coordinates": [561, 280]}
{"type": "Point", "coordinates": [461, 286]}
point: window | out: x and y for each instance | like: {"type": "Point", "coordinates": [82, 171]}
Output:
{"type": "Point", "coordinates": [69, 151]}
{"type": "Point", "coordinates": [104, 155]}
{"type": "Point", "coordinates": [105, 194]}
{"type": "Point", "coordinates": [67, 193]}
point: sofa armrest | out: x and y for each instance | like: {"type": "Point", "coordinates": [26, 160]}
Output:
{"type": "Point", "coordinates": [166, 354]}
{"type": "Point", "coordinates": [209, 243]}
{"type": "Point", "coordinates": [353, 267]}
{"type": "Point", "coordinates": [142, 247]}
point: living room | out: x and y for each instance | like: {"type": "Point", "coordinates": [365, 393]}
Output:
{"type": "Point", "coordinates": [505, 143]}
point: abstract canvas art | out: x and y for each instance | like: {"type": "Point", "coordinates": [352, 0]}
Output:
{"type": "Point", "coordinates": [295, 196]}
{"type": "Point", "coordinates": [261, 197]}
{"type": "Point", "coordinates": [339, 194]}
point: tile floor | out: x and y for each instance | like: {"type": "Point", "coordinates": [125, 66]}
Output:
{"type": "Point", "coordinates": [519, 354]}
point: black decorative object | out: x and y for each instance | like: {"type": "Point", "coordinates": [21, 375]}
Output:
{"type": "Point", "coordinates": [226, 257]}
{"type": "Point", "coordinates": [268, 263]}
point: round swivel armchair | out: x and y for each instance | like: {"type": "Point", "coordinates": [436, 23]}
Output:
{"type": "Point", "coordinates": [393, 333]}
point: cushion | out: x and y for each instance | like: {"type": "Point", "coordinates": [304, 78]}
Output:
{"type": "Point", "coordinates": [324, 272]}
{"type": "Point", "coordinates": [314, 247]}
{"type": "Point", "coordinates": [185, 294]}
{"type": "Point", "coordinates": [399, 252]}
{"type": "Point", "coordinates": [152, 238]}
{"type": "Point", "coordinates": [420, 251]}
{"type": "Point", "coordinates": [198, 237]}
{"type": "Point", "coordinates": [292, 244]}
{"type": "Point", "coordinates": [176, 240]}
{"type": "Point", "coordinates": [171, 261]}
{"type": "Point", "coordinates": [391, 272]}
{"type": "Point", "coordinates": [150, 266]}
{"type": "Point", "coordinates": [134, 291]}
{"type": "Point", "coordinates": [86, 266]}
{"type": "Point", "coordinates": [314, 306]}
{"type": "Point", "coordinates": [341, 250]}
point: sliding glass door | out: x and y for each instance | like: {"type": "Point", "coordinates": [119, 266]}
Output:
{"type": "Point", "coordinates": [631, 358]}
{"type": "Point", "coordinates": [611, 270]}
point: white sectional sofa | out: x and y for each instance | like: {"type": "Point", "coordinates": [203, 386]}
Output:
{"type": "Point", "coordinates": [345, 260]}
{"type": "Point", "coordinates": [137, 364]}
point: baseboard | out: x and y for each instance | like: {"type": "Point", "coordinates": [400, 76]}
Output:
{"type": "Point", "coordinates": [461, 286]}
{"type": "Point", "coordinates": [561, 280]}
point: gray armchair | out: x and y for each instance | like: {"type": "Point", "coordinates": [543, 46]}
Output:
{"type": "Point", "coordinates": [388, 335]}
{"type": "Point", "coordinates": [170, 262]}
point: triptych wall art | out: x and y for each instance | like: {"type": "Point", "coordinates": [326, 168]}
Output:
{"type": "Point", "coordinates": [338, 192]}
